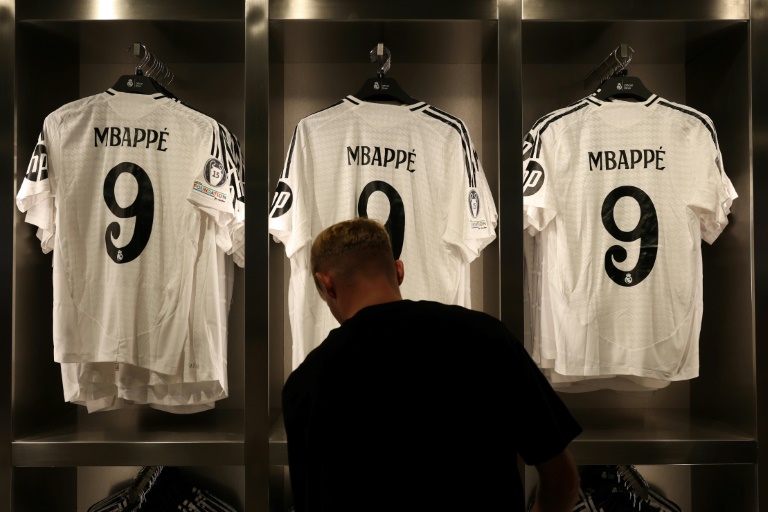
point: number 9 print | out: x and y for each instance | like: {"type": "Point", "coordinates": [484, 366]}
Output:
{"type": "Point", "coordinates": [395, 224]}
{"type": "Point", "coordinates": [646, 230]}
{"type": "Point", "coordinates": [142, 209]}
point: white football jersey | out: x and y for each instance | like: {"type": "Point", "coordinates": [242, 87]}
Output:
{"type": "Point", "coordinates": [412, 167]}
{"type": "Point", "coordinates": [202, 380]}
{"type": "Point", "coordinates": [622, 193]}
{"type": "Point", "coordinates": [121, 186]}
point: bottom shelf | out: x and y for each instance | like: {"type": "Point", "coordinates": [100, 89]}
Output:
{"type": "Point", "coordinates": [136, 438]}
{"type": "Point", "coordinates": [76, 489]}
{"type": "Point", "coordinates": [692, 488]}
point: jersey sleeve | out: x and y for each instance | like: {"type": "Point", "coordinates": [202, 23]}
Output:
{"type": "Point", "coordinates": [36, 186]}
{"type": "Point", "coordinates": [714, 193]}
{"type": "Point", "coordinates": [37, 197]}
{"type": "Point", "coordinates": [539, 197]}
{"type": "Point", "coordinates": [43, 215]}
{"type": "Point", "coordinates": [288, 220]}
{"type": "Point", "coordinates": [472, 215]}
{"type": "Point", "coordinates": [232, 158]}
{"type": "Point", "coordinates": [211, 194]}
{"type": "Point", "coordinates": [237, 230]}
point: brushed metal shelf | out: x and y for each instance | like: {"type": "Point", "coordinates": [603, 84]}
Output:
{"type": "Point", "coordinates": [662, 437]}
{"type": "Point", "coordinates": [82, 451]}
{"type": "Point", "coordinates": [131, 438]}
{"type": "Point", "coordinates": [659, 436]}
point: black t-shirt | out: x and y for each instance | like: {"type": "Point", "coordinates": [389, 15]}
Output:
{"type": "Point", "coordinates": [419, 406]}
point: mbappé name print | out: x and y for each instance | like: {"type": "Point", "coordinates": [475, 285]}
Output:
{"type": "Point", "coordinates": [145, 138]}
{"type": "Point", "coordinates": [381, 157]}
{"type": "Point", "coordinates": [627, 159]}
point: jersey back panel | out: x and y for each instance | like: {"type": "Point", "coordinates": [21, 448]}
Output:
{"type": "Point", "coordinates": [628, 191]}
{"type": "Point", "coordinates": [413, 168]}
{"type": "Point", "coordinates": [120, 182]}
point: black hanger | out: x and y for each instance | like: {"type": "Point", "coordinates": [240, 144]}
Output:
{"type": "Point", "coordinates": [382, 88]}
{"type": "Point", "coordinates": [139, 84]}
{"type": "Point", "coordinates": [623, 87]}
{"type": "Point", "coordinates": [614, 82]}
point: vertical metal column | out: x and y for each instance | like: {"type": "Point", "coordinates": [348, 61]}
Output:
{"type": "Point", "coordinates": [510, 182]}
{"type": "Point", "coordinates": [759, 73]}
{"type": "Point", "coordinates": [7, 185]}
{"type": "Point", "coordinates": [257, 254]}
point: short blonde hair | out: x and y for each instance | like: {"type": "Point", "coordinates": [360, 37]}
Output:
{"type": "Point", "coordinates": [351, 246]}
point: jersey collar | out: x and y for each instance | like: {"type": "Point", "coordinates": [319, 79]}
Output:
{"type": "Point", "coordinates": [413, 108]}
{"type": "Point", "coordinates": [592, 98]}
{"type": "Point", "coordinates": [156, 97]}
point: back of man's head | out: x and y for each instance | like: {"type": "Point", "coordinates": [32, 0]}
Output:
{"type": "Point", "coordinates": [353, 248]}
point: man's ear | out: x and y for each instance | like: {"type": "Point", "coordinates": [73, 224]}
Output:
{"type": "Point", "coordinates": [326, 284]}
{"type": "Point", "coordinates": [400, 269]}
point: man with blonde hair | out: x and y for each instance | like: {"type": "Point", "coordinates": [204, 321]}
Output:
{"type": "Point", "coordinates": [416, 405]}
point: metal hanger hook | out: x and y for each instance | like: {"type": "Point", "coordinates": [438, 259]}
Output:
{"type": "Point", "coordinates": [137, 48]}
{"type": "Point", "coordinates": [383, 57]}
{"type": "Point", "coordinates": [625, 60]}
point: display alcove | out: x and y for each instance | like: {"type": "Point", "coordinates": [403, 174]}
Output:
{"type": "Point", "coordinates": [451, 64]}
{"type": "Point", "coordinates": [64, 53]}
{"type": "Point", "coordinates": [259, 66]}
{"type": "Point", "coordinates": [692, 436]}
{"type": "Point", "coordinates": [676, 60]}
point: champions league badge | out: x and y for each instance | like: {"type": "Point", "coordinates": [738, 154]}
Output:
{"type": "Point", "coordinates": [215, 174]}
{"type": "Point", "coordinates": [474, 203]}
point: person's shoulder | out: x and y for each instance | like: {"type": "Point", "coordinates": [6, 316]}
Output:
{"type": "Point", "coordinates": [452, 316]}
{"type": "Point", "coordinates": [309, 368]}
{"type": "Point", "coordinates": [317, 357]}
{"type": "Point", "coordinates": [456, 311]}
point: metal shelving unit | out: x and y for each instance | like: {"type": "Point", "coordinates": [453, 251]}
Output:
{"type": "Point", "coordinates": [287, 57]}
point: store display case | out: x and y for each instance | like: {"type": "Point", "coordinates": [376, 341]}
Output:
{"type": "Point", "coordinates": [260, 66]}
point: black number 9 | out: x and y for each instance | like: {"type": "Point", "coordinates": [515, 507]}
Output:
{"type": "Point", "coordinates": [396, 222]}
{"type": "Point", "coordinates": [142, 208]}
{"type": "Point", "coordinates": [647, 231]}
